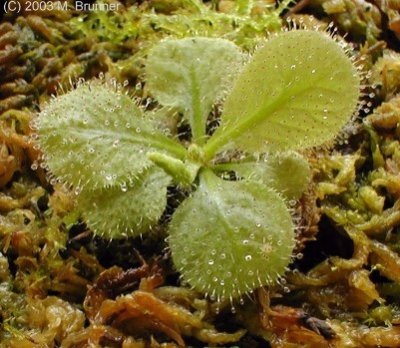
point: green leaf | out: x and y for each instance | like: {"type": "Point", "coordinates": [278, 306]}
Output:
{"type": "Point", "coordinates": [121, 212]}
{"type": "Point", "coordinates": [287, 173]}
{"type": "Point", "coordinates": [230, 237]}
{"type": "Point", "coordinates": [298, 91]}
{"type": "Point", "coordinates": [165, 119]}
{"type": "Point", "coordinates": [191, 75]}
{"type": "Point", "coordinates": [95, 136]}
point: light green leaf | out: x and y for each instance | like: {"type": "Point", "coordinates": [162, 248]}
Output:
{"type": "Point", "coordinates": [287, 173]}
{"type": "Point", "coordinates": [298, 91]}
{"type": "Point", "coordinates": [121, 212]}
{"type": "Point", "coordinates": [231, 237]}
{"type": "Point", "coordinates": [96, 137]}
{"type": "Point", "coordinates": [165, 119]}
{"type": "Point", "coordinates": [191, 75]}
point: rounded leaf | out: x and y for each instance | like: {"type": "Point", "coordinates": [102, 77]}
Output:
{"type": "Point", "coordinates": [287, 173]}
{"type": "Point", "coordinates": [298, 91]}
{"type": "Point", "coordinates": [191, 75]}
{"type": "Point", "coordinates": [121, 212]}
{"type": "Point", "coordinates": [231, 237]}
{"type": "Point", "coordinates": [95, 136]}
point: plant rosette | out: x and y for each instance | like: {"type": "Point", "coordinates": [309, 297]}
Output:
{"type": "Point", "coordinates": [229, 236]}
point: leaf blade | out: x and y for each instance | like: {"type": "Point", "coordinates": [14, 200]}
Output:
{"type": "Point", "coordinates": [191, 74]}
{"type": "Point", "coordinates": [95, 137]}
{"type": "Point", "coordinates": [116, 212]}
{"type": "Point", "coordinates": [297, 70]}
{"type": "Point", "coordinates": [286, 173]}
{"type": "Point", "coordinates": [230, 237]}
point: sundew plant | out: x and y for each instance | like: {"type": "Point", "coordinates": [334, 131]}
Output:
{"type": "Point", "coordinates": [234, 232]}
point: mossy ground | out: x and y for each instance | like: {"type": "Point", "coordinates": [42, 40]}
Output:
{"type": "Point", "coordinates": [343, 285]}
